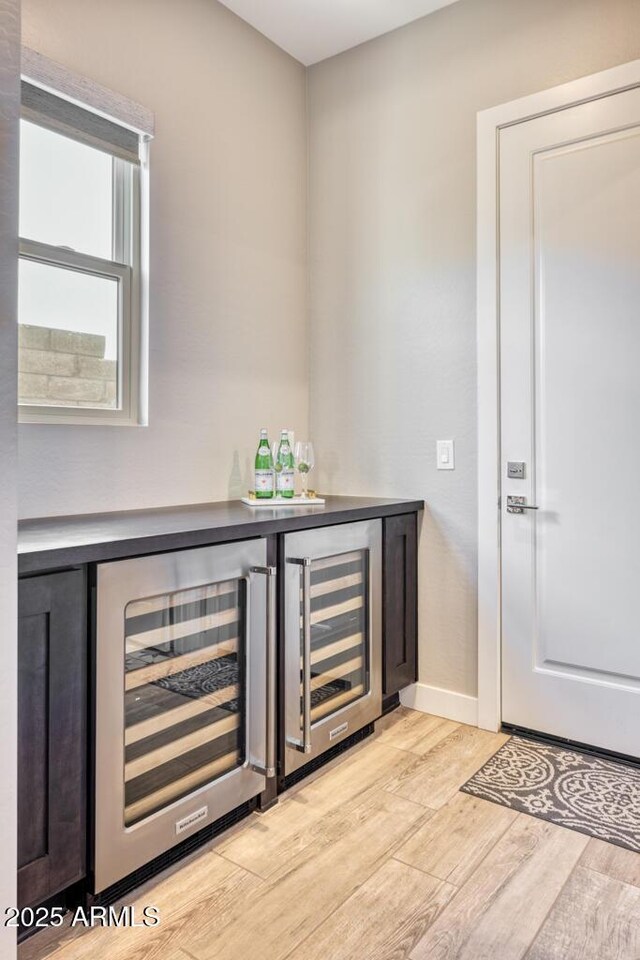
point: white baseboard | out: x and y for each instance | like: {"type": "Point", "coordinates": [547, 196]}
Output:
{"type": "Point", "coordinates": [442, 703]}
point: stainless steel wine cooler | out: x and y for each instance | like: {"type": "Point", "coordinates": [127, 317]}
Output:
{"type": "Point", "coordinates": [332, 637]}
{"type": "Point", "coordinates": [185, 697]}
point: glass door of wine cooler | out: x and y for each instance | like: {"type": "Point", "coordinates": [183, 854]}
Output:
{"type": "Point", "coordinates": [332, 637]}
{"type": "Point", "coordinates": [185, 671]}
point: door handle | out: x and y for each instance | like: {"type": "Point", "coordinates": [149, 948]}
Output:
{"type": "Point", "coordinates": [519, 505]}
{"type": "Point", "coordinates": [304, 744]}
{"type": "Point", "coordinates": [268, 769]}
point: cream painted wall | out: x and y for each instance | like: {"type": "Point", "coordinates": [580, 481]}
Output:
{"type": "Point", "coordinates": [392, 265]}
{"type": "Point", "coordinates": [9, 106]}
{"type": "Point", "coordinates": [391, 128]}
{"type": "Point", "coordinates": [228, 253]}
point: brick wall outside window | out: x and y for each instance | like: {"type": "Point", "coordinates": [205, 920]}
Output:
{"type": "Point", "coordinates": [64, 369]}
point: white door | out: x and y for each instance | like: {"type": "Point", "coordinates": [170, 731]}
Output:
{"type": "Point", "coordinates": [570, 411]}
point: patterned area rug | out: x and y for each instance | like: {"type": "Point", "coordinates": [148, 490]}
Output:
{"type": "Point", "coordinates": [574, 790]}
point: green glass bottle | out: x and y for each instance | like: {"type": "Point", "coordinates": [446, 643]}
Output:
{"type": "Point", "coordinates": [264, 468]}
{"type": "Point", "coordinates": [285, 466]}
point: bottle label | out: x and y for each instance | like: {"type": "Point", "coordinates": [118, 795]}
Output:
{"type": "Point", "coordinates": [264, 481]}
{"type": "Point", "coordinates": [285, 479]}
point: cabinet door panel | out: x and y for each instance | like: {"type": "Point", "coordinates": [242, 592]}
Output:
{"type": "Point", "coordinates": [400, 616]}
{"type": "Point", "coordinates": [33, 724]}
{"type": "Point", "coordinates": [52, 643]}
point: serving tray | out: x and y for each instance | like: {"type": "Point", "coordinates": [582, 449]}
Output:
{"type": "Point", "coordinates": [284, 502]}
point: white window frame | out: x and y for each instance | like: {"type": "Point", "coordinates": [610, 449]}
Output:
{"type": "Point", "coordinates": [129, 263]}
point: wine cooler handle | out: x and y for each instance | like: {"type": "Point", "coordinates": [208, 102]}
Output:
{"type": "Point", "coordinates": [269, 768]}
{"type": "Point", "coordinates": [305, 743]}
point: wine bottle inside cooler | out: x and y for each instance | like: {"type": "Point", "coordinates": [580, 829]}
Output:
{"type": "Point", "coordinates": [285, 467]}
{"type": "Point", "coordinates": [264, 468]}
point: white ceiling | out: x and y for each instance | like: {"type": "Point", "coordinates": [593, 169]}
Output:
{"type": "Point", "coordinates": [312, 30]}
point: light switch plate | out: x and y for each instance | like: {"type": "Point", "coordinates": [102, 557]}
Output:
{"type": "Point", "coordinates": [445, 454]}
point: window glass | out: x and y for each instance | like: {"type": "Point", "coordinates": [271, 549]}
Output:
{"type": "Point", "coordinates": [184, 693]}
{"type": "Point", "coordinates": [66, 192]}
{"type": "Point", "coordinates": [68, 337]}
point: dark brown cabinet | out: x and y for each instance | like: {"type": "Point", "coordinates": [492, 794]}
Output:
{"type": "Point", "coordinates": [52, 645]}
{"type": "Point", "coordinates": [55, 700]}
{"type": "Point", "coordinates": [400, 602]}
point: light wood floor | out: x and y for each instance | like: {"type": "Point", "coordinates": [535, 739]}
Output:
{"type": "Point", "coordinates": [379, 857]}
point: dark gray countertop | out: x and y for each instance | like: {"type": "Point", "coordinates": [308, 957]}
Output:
{"type": "Point", "coordinates": [55, 542]}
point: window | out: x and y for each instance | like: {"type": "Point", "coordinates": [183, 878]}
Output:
{"type": "Point", "coordinates": [79, 306]}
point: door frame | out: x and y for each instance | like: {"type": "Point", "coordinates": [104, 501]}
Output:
{"type": "Point", "coordinates": [489, 124]}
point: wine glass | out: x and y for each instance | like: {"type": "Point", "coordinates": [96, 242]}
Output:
{"type": "Point", "coordinates": [305, 459]}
